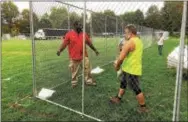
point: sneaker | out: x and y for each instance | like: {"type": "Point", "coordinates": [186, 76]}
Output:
{"type": "Point", "coordinates": [143, 110]}
{"type": "Point", "coordinates": [115, 100]}
{"type": "Point", "coordinates": [91, 83]}
{"type": "Point", "coordinates": [74, 85]}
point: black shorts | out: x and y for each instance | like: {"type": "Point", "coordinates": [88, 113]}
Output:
{"type": "Point", "coordinates": [132, 81]}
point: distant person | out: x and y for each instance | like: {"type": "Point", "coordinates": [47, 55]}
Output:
{"type": "Point", "coordinates": [160, 43]}
{"type": "Point", "coordinates": [74, 40]}
{"type": "Point", "coordinates": [121, 43]}
{"type": "Point", "coordinates": [130, 61]}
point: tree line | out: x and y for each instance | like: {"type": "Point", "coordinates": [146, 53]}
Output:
{"type": "Point", "coordinates": [167, 18]}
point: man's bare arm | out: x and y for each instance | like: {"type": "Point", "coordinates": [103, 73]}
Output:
{"type": "Point", "coordinates": [128, 47]}
{"type": "Point", "coordinates": [93, 48]}
{"type": "Point", "coordinates": [62, 47]}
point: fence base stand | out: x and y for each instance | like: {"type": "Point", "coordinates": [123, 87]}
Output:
{"type": "Point", "coordinates": [70, 109]}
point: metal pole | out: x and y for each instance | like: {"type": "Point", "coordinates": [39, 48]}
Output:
{"type": "Point", "coordinates": [83, 63]}
{"type": "Point", "coordinates": [179, 67]}
{"type": "Point", "coordinates": [68, 10]}
{"type": "Point", "coordinates": [70, 109]}
{"type": "Point", "coordinates": [33, 48]}
{"type": "Point", "coordinates": [122, 28]}
{"type": "Point", "coordinates": [116, 26]}
{"type": "Point", "coordinates": [117, 41]}
{"type": "Point", "coordinates": [91, 27]}
{"type": "Point", "coordinates": [105, 25]}
{"type": "Point", "coordinates": [153, 36]}
{"type": "Point", "coordinates": [0, 58]}
{"type": "Point", "coordinates": [91, 31]}
{"type": "Point", "coordinates": [105, 36]}
{"type": "Point", "coordinates": [68, 21]}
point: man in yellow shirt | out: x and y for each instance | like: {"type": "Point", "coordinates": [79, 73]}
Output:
{"type": "Point", "coordinates": [130, 61]}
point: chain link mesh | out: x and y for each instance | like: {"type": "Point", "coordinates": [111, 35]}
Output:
{"type": "Point", "coordinates": [105, 29]}
{"type": "Point", "coordinates": [105, 26]}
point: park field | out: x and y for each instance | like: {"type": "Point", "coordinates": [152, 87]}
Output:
{"type": "Point", "coordinates": [18, 104]}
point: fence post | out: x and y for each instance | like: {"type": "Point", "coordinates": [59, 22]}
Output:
{"type": "Point", "coordinates": [0, 56]}
{"type": "Point", "coordinates": [68, 10]}
{"type": "Point", "coordinates": [105, 35]}
{"type": "Point", "coordinates": [116, 26]}
{"type": "Point", "coordinates": [33, 49]}
{"type": "Point", "coordinates": [180, 67]}
{"type": "Point", "coordinates": [83, 62]}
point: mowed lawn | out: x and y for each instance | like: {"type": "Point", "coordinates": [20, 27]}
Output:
{"type": "Point", "coordinates": [157, 82]}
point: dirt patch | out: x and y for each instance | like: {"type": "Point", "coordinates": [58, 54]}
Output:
{"type": "Point", "coordinates": [21, 108]}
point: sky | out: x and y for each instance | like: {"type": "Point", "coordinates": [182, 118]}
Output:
{"type": "Point", "coordinates": [22, 5]}
{"type": "Point", "coordinates": [118, 7]}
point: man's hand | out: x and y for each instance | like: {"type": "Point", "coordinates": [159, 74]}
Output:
{"type": "Point", "coordinates": [97, 53]}
{"type": "Point", "coordinates": [58, 53]}
{"type": "Point", "coordinates": [93, 48]}
{"type": "Point", "coordinates": [116, 66]}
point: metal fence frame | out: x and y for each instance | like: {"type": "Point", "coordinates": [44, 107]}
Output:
{"type": "Point", "coordinates": [177, 94]}
{"type": "Point", "coordinates": [179, 69]}
{"type": "Point", "coordinates": [0, 58]}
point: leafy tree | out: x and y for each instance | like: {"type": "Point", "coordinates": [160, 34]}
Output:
{"type": "Point", "coordinates": [9, 14]}
{"type": "Point", "coordinates": [59, 17]}
{"type": "Point", "coordinates": [153, 18]}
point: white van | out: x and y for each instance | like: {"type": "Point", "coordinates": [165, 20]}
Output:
{"type": "Point", "coordinates": [40, 34]}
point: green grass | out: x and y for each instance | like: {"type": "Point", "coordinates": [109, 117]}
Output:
{"type": "Point", "coordinates": [157, 82]}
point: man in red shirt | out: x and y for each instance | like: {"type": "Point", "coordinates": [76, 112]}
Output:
{"type": "Point", "coordinates": [74, 40]}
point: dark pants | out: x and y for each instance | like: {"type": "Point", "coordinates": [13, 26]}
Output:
{"type": "Point", "coordinates": [132, 81]}
{"type": "Point", "coordinates": [160, 49]}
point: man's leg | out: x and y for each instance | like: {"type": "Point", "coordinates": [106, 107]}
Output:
{"type": "Point", "coordinates": [159, 50]}
{"type": "Point", "coordinates": [134, 82]}
{"type": "Point", "coordinates": [88, 77]}
{"type": "Point", "coordinates": [74, 67]}
{"type": "Point", "coordinates": [121, 92]}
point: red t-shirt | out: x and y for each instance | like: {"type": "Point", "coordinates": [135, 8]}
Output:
{"type": "Point", "coordinates": [75, 44]}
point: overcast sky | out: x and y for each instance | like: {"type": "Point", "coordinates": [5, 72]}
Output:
{"type": "Point", "coordinates": [118, 7]}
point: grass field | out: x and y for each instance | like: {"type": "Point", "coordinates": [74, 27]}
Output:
{"type": "Point", "coordinates": [157, 82]}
